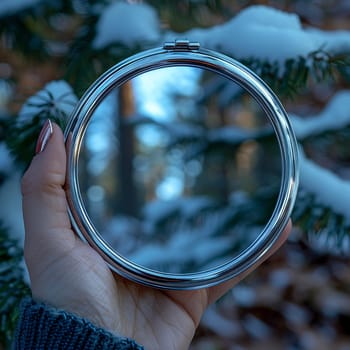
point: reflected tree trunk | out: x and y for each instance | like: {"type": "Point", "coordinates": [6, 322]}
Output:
{"type": "Point", "coordinates": [127, 194]}
{"type": "Point", "coordinates": [223, 180]}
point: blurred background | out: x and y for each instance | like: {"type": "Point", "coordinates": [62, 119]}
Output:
{"type": "Point", "coordinates": [180, 168]}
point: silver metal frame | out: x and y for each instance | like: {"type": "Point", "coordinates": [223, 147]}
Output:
{"type": "Point", "coordinates": [183, 53]}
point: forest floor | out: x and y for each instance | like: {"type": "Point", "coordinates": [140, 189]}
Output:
{"type": "Point", "coordinates": [297, 300]}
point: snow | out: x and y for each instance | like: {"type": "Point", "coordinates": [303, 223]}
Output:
{"type": "Point", "coordinates": [263, 32]}
{"type": "Point", "coordinates": [56, 96]}
{"type": "Point", "coordinates": [337, 41]}
{"type": "Point", "coordinates": [6, 91]}
{"type": "Point", "coordinates": [328, 188]}
{"type": "Point", "coordinates": [9, 7]}
{"type": "Point", "coordinates": [159, 210]}
{"type": "Point", "coordinates": [219, 324]}
{"type": "Point", "coordinates": [325, 242]}
{"type": "Point", "coordinates": [334, 116]}
{"type": "Point", "coordinates": [128, 24]}
{"type": "Point", "coordinates": [256, 32]}
{"type": "Point", "coordinates": [6, 161]}
{"type": "Point", "coordinates": [256, 328]}
{"type": "Point", "coordinates": [10, 193]}
{"type": "Point", "coordinates": [183, 247]}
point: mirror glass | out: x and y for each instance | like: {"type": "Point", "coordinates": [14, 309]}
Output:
{"type": "Point", "coordinates": [179, 169]}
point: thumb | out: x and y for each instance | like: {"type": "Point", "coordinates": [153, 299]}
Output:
{"type": "Point", "coordinates": [46, 221]}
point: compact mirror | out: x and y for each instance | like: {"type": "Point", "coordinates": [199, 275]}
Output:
{"type": "Point", "coordinates": [182, 167]}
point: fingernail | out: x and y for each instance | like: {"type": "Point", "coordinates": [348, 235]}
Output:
{"type": "Point", "coordinates": [44, 136]}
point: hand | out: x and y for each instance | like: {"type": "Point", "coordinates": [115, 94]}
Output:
{"type": "Point", "coordinates": [68, 274]}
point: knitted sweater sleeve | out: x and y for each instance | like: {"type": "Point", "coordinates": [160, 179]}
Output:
{"type": "Point", "coordinates": [43, 327]}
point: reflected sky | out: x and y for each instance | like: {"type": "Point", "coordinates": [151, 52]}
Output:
{"type": "Point", "coordinates": [155, 97]}
{"type": "Point", "coordinates": [100, 134]}
{"type": "Point", "coordinates": [155, 90]}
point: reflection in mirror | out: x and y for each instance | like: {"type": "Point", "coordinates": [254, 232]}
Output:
{"type": "Point", "coordinates": [179, 169]}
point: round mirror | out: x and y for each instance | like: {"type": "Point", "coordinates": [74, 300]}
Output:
{"type": "Point", "coordinates": [178, 174]}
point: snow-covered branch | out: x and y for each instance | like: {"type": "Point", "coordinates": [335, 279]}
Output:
{"type": "Point", "coordinates": [56, 98]}
{"type": "Point", "coordinates": [329, 190]}
{"type": "Point", "coordinates": [335, 116]}
{"type": "Point", "coordinates": [270, 34]}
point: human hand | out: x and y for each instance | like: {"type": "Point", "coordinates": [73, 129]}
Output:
{"type": "Point", "coordinates": [70, 275]}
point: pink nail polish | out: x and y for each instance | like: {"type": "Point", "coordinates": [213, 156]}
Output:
{"type": "Point", "coordinates": [44, 136]}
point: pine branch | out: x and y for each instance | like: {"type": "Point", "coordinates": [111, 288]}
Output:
{"type": "Point", "coordinates": [19, 30]}
{"type": "Point", "coordinates": [189, 13]}
{"type": "Point", "coordinates": [287, 81]}
{"type": "Point", "coordinates": [331, 144]}
{"type": "Point", "coordinates": [85, 64]}
{"type": "Point", "coordinates": [12, 286]}
{"type": "Point", "coordinates": [21, 136]}
{"type": "Point", "coordinates": [318, 65]}
{"type": "Point", "coordinates": [320, 224]}
{"type": "Point", "coordinates": [29, 30]}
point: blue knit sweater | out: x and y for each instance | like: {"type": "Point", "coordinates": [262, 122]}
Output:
{"type": "Point", "coordinates": [42, 327]}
